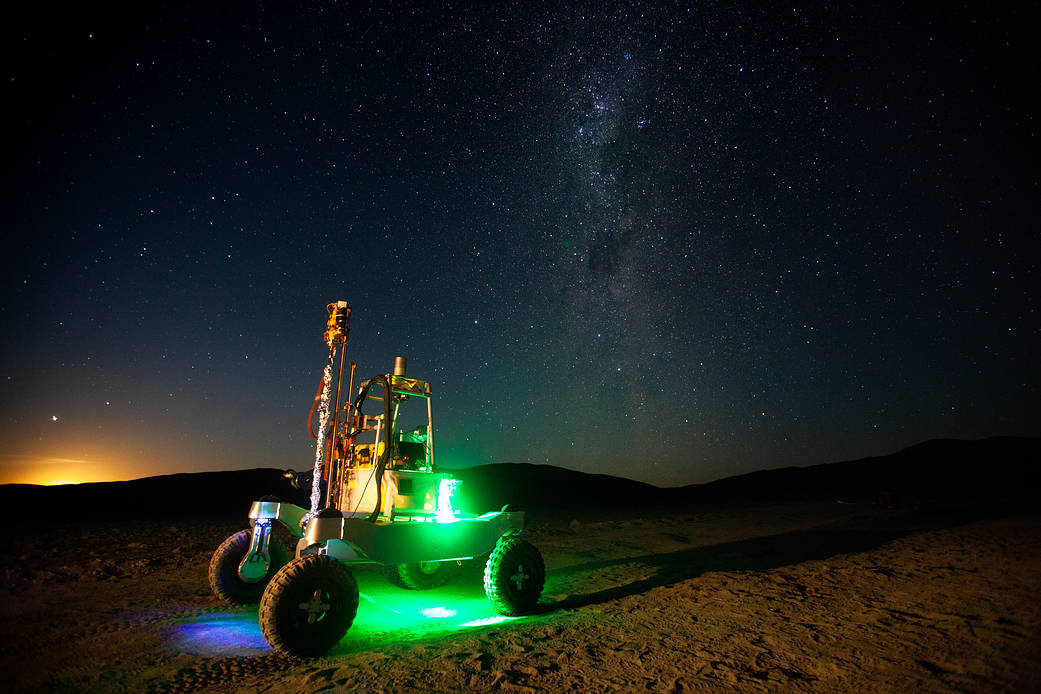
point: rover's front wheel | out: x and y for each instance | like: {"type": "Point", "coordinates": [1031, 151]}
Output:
{"type": "Point", "coordinates": [224, 569]}
{"type": "Point", "coordinates": [514, 576]}
{"type": "Point", "coordinates": [308, 606]}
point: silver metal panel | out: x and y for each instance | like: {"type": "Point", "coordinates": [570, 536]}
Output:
{"type": "Point", "coordinates": [290, 515]}
{"type": "Point", "coordinates": [410, 542]}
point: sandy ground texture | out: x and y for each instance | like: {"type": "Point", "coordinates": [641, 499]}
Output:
{"type": "Point", "coordinates": [820, 597]}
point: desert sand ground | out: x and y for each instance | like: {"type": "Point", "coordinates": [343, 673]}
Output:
{"type": "Point", "coordinates": [820, 597]}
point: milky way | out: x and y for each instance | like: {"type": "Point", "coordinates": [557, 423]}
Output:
{"type": "Point", "coordinates": [667, 242]}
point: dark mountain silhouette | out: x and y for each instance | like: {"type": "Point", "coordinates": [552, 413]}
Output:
{"type": "Point", "coordinates": [185, 495]}
{"type": "Point", "coordinates": [525, 487]}
{"type": "Point", "coordinates": [989, 469]}
{"type": "Point", "coordinates": [995, 467]}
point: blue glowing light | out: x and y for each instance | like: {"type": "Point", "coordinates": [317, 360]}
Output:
{"type": "Point", "coordinates": [221, 633]}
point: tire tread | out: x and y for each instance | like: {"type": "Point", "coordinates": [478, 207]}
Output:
{"type": "Point", "coordinates": [223, 569]}
{"type": "Point", "coordinates": [510, 550]}
{"type": "Point", "coordinates": [270, 616]}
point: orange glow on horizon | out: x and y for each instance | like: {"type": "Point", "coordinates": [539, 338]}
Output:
{"type": "Point", "coordinates": [95, 466]}
{"type": "Point", "coordinates": [57, 483]}
{"type": "Point", "coordinates": [51, 471]}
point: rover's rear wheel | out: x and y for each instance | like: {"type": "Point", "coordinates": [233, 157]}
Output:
{"type": "Point", "coordinates": [308, 606]}
{"type": "Point", "coordinates": [224, 569]}
{"type": "Point", "coordinates": [423, 575]}
{"type": "Point", "coordinates": [514, 576]}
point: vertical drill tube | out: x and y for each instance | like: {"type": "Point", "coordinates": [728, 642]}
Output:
{"type": "Point", "coordinates": [329, 452]}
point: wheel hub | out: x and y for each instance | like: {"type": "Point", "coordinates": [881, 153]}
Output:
{"type": "Point", "coordinates": [315, 608]}
{"type": "Point", "coordinates": [520, 577]}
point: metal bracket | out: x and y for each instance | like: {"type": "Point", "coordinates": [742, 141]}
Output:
{"type": "Point", "coordinates": [290, 515]}
{"type": "Point", "coordinates": [255, 565]}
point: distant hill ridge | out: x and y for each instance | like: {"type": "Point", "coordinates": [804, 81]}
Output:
{"type": "Point", "coordinates": [939, 466]}
{"type": "Point", "coordinates": [993, 466]}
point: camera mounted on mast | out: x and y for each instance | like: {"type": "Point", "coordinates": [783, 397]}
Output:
{"type": "Point", "coordinates": [336, 328]}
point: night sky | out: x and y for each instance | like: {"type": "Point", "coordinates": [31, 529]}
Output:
{"type": "Point", "coordinates": [672, 242]}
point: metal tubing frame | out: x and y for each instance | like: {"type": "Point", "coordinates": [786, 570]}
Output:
{"type": "Point", "coordinates": [430, 434]}
{"type": "Point", "coordinates": [349, 450]}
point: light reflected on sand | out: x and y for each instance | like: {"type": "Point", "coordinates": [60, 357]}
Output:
{"type": "Point", "coordinates": [386, 614]}
{"type": "Point", "coordinates": [221, 633]}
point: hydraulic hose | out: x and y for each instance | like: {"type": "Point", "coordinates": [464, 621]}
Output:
{"type": "Point", "coordinates": [314, 406]}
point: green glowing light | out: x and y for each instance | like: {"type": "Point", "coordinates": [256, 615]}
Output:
{"type": "Point", "coordinates": [445, 491]}
{"type": "Point", "coordinates": [437, 612]}
{"type": "Point", "coordinates": [387, 614]}
{"type": "Point", "coordinates": [378, 604]}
